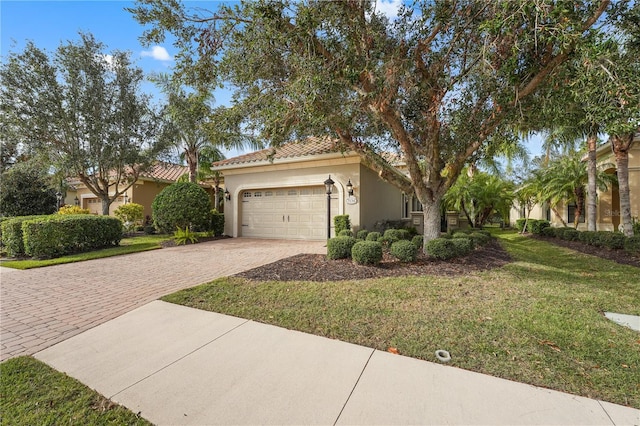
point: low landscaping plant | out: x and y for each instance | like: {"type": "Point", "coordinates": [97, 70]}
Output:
{"type": "Point", "coordinates": [341, 223]}
{"type": "Point", "coordinates": [418, 241]}
{"type": "Point", "coordinates": [181, 236]}
{"type": "Point", "coordinates": [373, 236]}
{"type": "Point", "coordinates": [217, 223]}
{"type": "Point", "coordinates": [463, 246]}
{"type": "Point", "coordinates": [362, 234]}
{"type": "Point", "coordinates": [393, 235]}
{"type": "Point", "coordinates": [12, 238]}
{"type": "Point", "coordinates": [340, 247]}
{"type": "Point", "coordinates": [479, 238]}
{"type": "Point", "coordinates": [72, 210]}
{"type": "Point", "coordinates": [131, 215]}
{"type": "Point", "coordinates": [441, 248]}
{"type": "Point", "coordinates": [404, 251]}
{"type": "Point", "coordinates": [345, 233]}
{"type": "Point", "coordinates": [632, 245]}
{"type": "Point", "coordinates": [367, 252]}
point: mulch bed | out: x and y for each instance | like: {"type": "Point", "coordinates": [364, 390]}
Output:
{"type": "Point", "coordinates": [316, 267]}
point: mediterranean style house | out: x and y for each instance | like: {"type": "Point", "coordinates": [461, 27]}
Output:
{"type": "Point", "coordinates": [608, 210]}
{"type": "Point", "coordinates": [280, 193]}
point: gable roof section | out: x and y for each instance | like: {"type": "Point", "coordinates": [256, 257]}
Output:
{"type": "Point", "coordinates": [311, 147]}
{"type": "Point", "coordinates": [165, 171]}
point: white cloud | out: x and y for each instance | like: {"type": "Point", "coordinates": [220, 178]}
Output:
{"type": "Point", "coordinates": [108, 59]}
{"type": "Point", "coordinates": [158, 53]}
{"type": "Point", "coordinates": [389, 7]}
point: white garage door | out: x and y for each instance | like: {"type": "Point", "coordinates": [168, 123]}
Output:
{"type": "Point", "coordinates": [286, 213]}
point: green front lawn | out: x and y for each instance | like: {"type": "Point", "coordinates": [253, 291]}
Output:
{"type": "Point", "coordinates": [537, 320]}
{"type": "Point", "coordinates": [127, 245]}
{"type": "Point", "coordinates": [32, 393]}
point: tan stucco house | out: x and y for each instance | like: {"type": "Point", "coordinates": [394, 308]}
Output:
{"type": "Point", "coordinates": [143, 191]}
{"type": "Point", "coordinates": [281, 193]}
{"type": "Point", "coordinates": [608, 202]}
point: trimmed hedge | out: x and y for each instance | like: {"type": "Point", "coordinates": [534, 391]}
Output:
{"type": "Point", "coordinates": [632, 245]}
{"type": "Point", "coordinates": [537, 226]}
{"type": "Point", "coordinates": [345, 233]}
{"type": "Point", "coordinates": [442, 248]}
{"type": "Point", "coordinates": [404, 251]}
{"type": "Point", "coordinates": [418, 241]}
{"type": "Point", "coordinates": [340, 247]}
{"type": "Point", "coordinates": [12, 237]}
{"type": "Point", "coordinates": [362, 234]}
{"type": "Point", "coordinates": [182, 205]}
{"type": "Point", "coordinates": [480, 238]}
{"type": "Point", "coordinates": [393, 235]}
{"type": "Point", "coordinates": [367, 252]}
{"type": "Point", "coordinates": [53, 236]}
{"type": "Point", "coordinates": [373, 236]}
{"type": "Point", "coordinates": [341, 222]}
{"type": "Point", "coordinates": [463, 246]}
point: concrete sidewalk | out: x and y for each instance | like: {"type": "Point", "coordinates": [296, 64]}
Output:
{"type": "Point", "coordinates": [177, 365]}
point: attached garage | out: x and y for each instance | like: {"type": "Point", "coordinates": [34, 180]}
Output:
{"type": "Point", "coordinates": [291, 213]}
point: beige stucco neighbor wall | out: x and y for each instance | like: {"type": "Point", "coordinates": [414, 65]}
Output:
{"type": "Point", "coordinates": [378, 199]}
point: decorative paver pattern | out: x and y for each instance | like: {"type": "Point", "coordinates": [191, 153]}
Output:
{"type": "Point", "coordinates": [44, 306]}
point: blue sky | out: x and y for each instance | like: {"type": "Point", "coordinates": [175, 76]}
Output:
{"type": "Point", "coordinates": [48, 23]}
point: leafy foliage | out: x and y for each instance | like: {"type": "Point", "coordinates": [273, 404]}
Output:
{"type": "Point", "coordinates": [362, 234]}
{"type": "Point", "coordinates": [72, 210]}
{"type": "Point", "coordinates": [373, 236]}
{"type": "Point", "coordinates": [404, 251]}
{"type": "Point", "coordinates": [131, 215]}
{"type": "Point", "coordinates": [24, 191]}
{"type": "Point", "coordinates": [181, 205]}
{"type": "Point", "coordinates": [217, 223]}
{"type": "Point", "coordinates": [340, 247]}
{"type": "Point", "coordinates": [342, 222]}
{"type": "Point", "coordinates": [181, 236]}
{"type": "Point", "coordinates": [367, 252]}
{"type": "Point", "coordinates": [12, 237]}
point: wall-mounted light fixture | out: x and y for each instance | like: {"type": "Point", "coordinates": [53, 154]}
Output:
{"type": "Point", "coordinates": [227, 195]}
{"type": "Point", "coordinates": [350, 188]}
{"type": "Point", "coordinates": [76, 201]}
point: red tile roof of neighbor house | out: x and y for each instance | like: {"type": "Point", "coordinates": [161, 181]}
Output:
{"type": "Point", "coordinates": [158, 171]}
{"type": "Point", "coordinates": [311, 146]}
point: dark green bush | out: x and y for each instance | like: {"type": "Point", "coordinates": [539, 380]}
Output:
{"type": "Point", "coordinates": [25, 191]}
{"type": "Point", "coordinates": [340, 247]}
{"type": "Point", "coordinates": [537, 226]}
{"type": "Point", "coordinates": [479, 238]}
{"type": "Point", "coordinates": [57, 235]}
{"type": "Point", "coordinates": [182, 205]}
{"type": "Point", "coordinates": [367, 252]}
{"type": "Point", "coordinates": [463, 246]}
{"type": "Point", "coordinates": [460, 234]}
{"type": "Point", "coordinates": [611, 240]}
{"type": "Point", "coordinates": [217, 223]}
{"type": "Point", "coordinates": [362, 234]}
{"type": "Point", "coordinates": [341, 222]}
{"type": "Point", "coordinates": [549, 232]}
{"type": "Point", "coordinates": [373, 236]}
{"type": "Point", "coordinates": [442, 248]}
{"type": "Point", "coordinates": [570, 234]}
{"type": "Point", "coordinates": [404, 234]}
{"type": "Point", "coordinates": [12, 237]}
{"type": "Point", "coordinates": [345, 233]}
{"type": "Point", "coordinates": [149, 229]}
{"type": "Point", "coordinates": [588, 237]}
{"type": "Point", "coordinates": [632, 245]}
{"type": "Point", "coordinates": [394, 235]}
{"type": "Point", "coordinates": [418, 241]}
{"type": "Point", "coordinates": [520, 224]}
{"type": "Point", "coordinates": [404, 251]}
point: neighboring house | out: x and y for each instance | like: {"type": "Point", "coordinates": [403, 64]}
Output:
{"type": "Point", "coordinates": [143, 192]}
{"type": "Point", "coordinates": [281, 193]}
{"type": "Point", "coordinates": [608, 203]}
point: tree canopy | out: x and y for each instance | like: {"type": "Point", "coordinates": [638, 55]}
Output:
{"type": "Point", "coordinates": [440, 85]}
{"type": "Point", "coordinates": [83, 109]}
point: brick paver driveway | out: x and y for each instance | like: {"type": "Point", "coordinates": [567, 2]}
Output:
{"type": "Point", "coordinates": [44, 306]}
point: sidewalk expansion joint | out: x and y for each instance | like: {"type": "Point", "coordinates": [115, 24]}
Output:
{"type": "Point", "coordinates": [355, 385]}
{"type": "Point", "coordinates": [606, 412]}
{"type": "Point", "coordinates": [179, 359]}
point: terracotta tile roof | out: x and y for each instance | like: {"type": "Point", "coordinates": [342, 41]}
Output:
{"type": "Point", "coordinates": [165, 171]}
{"type": "Point", "coordinates": [311, 146]}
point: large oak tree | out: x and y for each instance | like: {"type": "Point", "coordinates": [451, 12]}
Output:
{"type": "Point", "coordinates": [84, 110]}
{"type": "Point", "coordinates": [441, 84]}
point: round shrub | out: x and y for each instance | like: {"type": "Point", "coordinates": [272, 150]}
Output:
{"type": "Point", "coordinates": [181, 205]}
{"type": "Point", "coordinates": [340, 247]}
{"type": "Point", "coordinates": [362, 234]}
{"type": "Point", "coordinates": [367, 252]}
{"type": "Point", "coordinates": [418, 241]}
{"type": "Point", "coordinates": [549, 232]}
{"type": "Point", "coordinates": [612, 240]}
{"type": "Point", "coordinates": [345, 233]}
{"type": "Point", "coordinates": [404, 234]}
{"type": "Point", "coordinates": [460, 234]}
{"type": "Point", "coordinates": [373, 236]}
{"type": "Point", "coordinates": [570, 234]}
{"type": "Point", "coordinates": [479, 238]}
{"type": "Point", "coordinates": [404, 251]}
{"type": "Point", "coordinates": [393, 235]}
{"type": "Point", "coordinates": [463, 246]}
{"type": "Point", "coordinates": [441, 248]}
{"type": "Point", "coordinates": [632, 245]}
{"type": "Point", "coordinates": [72, 210]}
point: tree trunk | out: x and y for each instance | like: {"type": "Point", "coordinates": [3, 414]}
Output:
{"type": "Point", "coordinates": [591, 184]}
{"type": "Point", "coordinates": [431, 214]}
{"type": "Point", "coordinates": [620, 146]}
{"type": "Point", "coordinates": [579, 193]}
{"type": "Point", "coordinates": [559, 216]}
{"type": "Point", "coordinates": [106, 202]}
{"type": "Point", "coordinates": [192, 162]}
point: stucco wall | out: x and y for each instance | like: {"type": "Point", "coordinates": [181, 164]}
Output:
{"type": "Point", "coordinates": [379, 200]}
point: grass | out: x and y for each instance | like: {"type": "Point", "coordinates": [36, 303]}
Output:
{"type": "Point", "coordinates": [32, 393]}
{"type": "Point", "coordinates": [537, 320]}
{"type": "Point", "coordinates": [127, 245]}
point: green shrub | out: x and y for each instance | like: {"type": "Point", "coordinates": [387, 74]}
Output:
{"type": "Point", "coordinates": [520, 224]}
{"type": "Point", "coordinates": [479, 238]}
{"type": "Point", "coordinates": [53, 236]}
{"type": "Point", "coordinates": [345, 233]}
{"type": "Point", "coordinates": [149, 229]}
{"type": "Point", "coordinates": [570, 234]}
{"type": "Point", "coordinates": [367, 252]}
{"type": "Point", "coordinates": [611, 240]}
{"type": "Point", "coordinates": [181, 236]}
{"type": "Point", "coordinates": [131, 215]}
{"type": "Point", "coordinates": [632, 245]}
{"type": "Point", "coordinates": [394, 235]}
{"type": "Point", "coordinates": [460, 234]}
{"type": "Point", "coordinates": [12, 237]}
{"type": "Point", "coordinates": [404, 251]}
{"type": "Point", "coordinates": [341, 222]}
{"type": "Point", "coordinates": [636, 225]}
{"type": "Point", "coordinates": [340, 247]}
{"type": "Point", "coordinates": [373, 236]}
{"type": "Point", "coordinates": [537, 226]}
{"type": "Point", "coordinates": [182, 205]}
{"type": "Point", "coordinates": [217, 223]}
{"type": "Point", "coordinates": [549, 232]}
{"type": "Point", "coordinates": [417, 241]}
{"type": "Point", "coordinates": [404, 234]}
{"type": "Point", "coordinates": [588, 237]}
{"type": "Point", "coordinates": [442, 248]}
{"type": "Point", "coordinates": [362, 234]}
{"type": "Point", "coordinates": [463, 246]}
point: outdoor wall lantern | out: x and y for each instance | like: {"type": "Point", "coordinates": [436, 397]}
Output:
{"type": "Point", "coordinates": [76, 201]}
{"type": "Point", "coordinates": [227, 195]}
{"type": "Point", "coordinates": [350, 188]}
{"type": "Point", "coordinates": [328, 184]}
